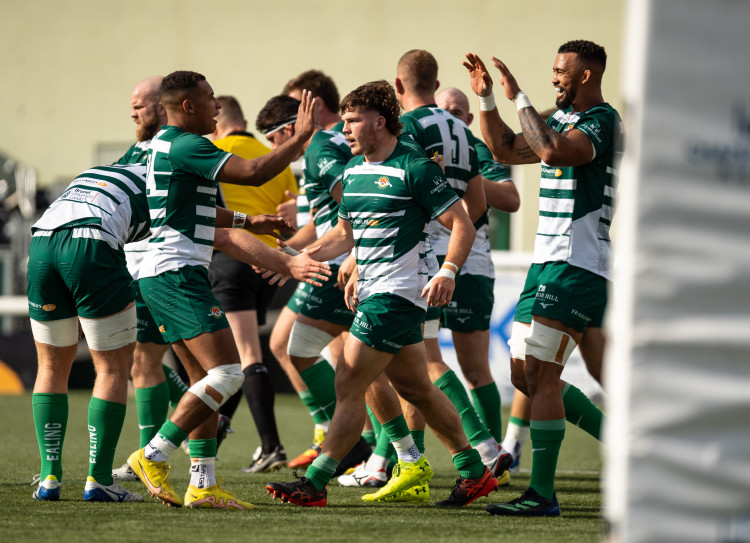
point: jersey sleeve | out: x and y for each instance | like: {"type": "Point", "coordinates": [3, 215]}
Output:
{"type": "Point", "coordinates": [489, 167]}
{"type": "Point", "coordinates": [196, 155]}
{"type": "Point", "coordinates": [599, 125]}
{"type": "Point", "coordinates": [326, 166]}
{"type": "Point", "coordinates": [429, 187]}
{"type": "Point", "coordinates": [414, 129]}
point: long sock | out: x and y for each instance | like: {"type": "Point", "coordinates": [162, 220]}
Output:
{"type": "Point", "coordinates": [321, 470]}
{"type": "Point", "coordinates": [515, 435]}
{"type": "Point", "coordinates": [177, 387]}
{"type": "Point", "coordinates": [487, 403]}
{"type": "Point", "coordinates": [383, 445]}
{"type": "Point", "coordinates": [320, 380]}
{"type": "Point", "coordinates": [152, 404]}
{"type": "Point", "coordinates": [202, 462]}
{"type": "Point", "coordinates": [105, 424]}
{"type": "Point", "coordinates": [579, 410]}
{"type": "Point", "coordinates": [473, 426]}
{"type": "Point", "coordinates": [418, 437]}
{"type": "Point", "coordinates": [369, 436]}
{"type": "Point", "coordinates": [50, 421]}
{"type": "Point", "coordinates": [546, 439]}
{"type": "Point", "coordinates": [399, 435]}
{"type": "Point", "coordinates": [317, 413]}
{"type": "Point", "coordinates": [259, 394]}
{"type": "Point", "coordinates": [164, 443]}
{"type": "Point", "coordinates": [469, 464]}
{"type": "Point", "coordinates": [230, 406]}
{"type": "Point", "coordinates": [376, 426]}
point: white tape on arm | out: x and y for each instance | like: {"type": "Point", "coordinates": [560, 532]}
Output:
{"type": "Point", "coordinates": [487, 103]}
{"type": "Point", "coordinates": [521, 101]}
{"type": "Point", "coordinates": [238, 221]}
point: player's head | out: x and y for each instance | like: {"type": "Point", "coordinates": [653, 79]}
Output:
{"type": "Point", "coordinates": [145, 108]}
{"type": "Point", "coordinates": [417, 73]}
{"type": "Point", "coordinates": [454, 102]}
{"type": "Point", "coordinates": [320, 86]}
{"type": "Point", "coordinates": [371, 115]}
{"type": "Point", "coordinates": [230, 116]}
{"type": "Point", "coordinates": [276, 120]}
{"type": "Point", "coordinates": [190, 101]}
{"type": "Point", "coordinates": [578, 67]}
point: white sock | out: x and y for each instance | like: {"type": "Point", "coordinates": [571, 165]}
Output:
{"type": "Point", "coordinates": [515, 437]}
{"type": "Point", "coordinates": [159, 449]}
{"type": "Point", "coordinates": [376, 463]}
{"type": "Point", "coordinates": [406, 449]}
{"type": "Point", "coordinates": [488, 450]}
{"type": "Point", "coordinates": [202, 472]}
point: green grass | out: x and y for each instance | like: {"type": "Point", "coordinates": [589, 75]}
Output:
{"type": "Point", "coordinates": [346, 518]}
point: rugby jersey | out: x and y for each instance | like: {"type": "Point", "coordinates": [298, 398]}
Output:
{"type": "Point", "coordinates": [181, 188]}
{"type": "Point", "coordinates": [389, 205]}
{"type": "Point", "coordinates": [576, 203]}
{"type": "Point", "coordinates": [325, 159]}
{"type": "Point", "coordinates": [438, 132]}
{"type": "Point", "coordinates": [109, 200]}
{"type": "Point", "coordinates": [134, 252]}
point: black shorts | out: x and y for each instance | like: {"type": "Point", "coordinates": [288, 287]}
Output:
{"type": "Point", "coordinates": [238, 288]}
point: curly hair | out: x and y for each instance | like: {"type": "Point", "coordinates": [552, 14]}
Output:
{"type": "Point", "coordinates": [588, 51]}
{"type": "Point", "coordinates": [281, 109]}
{"type": "Point", "coordinates": [319, 84]}
{"type": "Point", "coordinates": [376, 96]}
{"type": "Point", "coordinates": [176, 85]}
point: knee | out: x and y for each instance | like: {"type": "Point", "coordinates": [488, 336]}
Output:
{"type": "Point", "coordinates": [518, 376]}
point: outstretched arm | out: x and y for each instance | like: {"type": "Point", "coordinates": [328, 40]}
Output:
{"type": "Point", "coordinates": [257, 171]}
{"type": "Point", "coordinates": [242, 246]}
{"type": "Point", "coordinates": [261, 225]}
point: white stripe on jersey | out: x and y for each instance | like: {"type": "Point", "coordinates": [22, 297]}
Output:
{"type": "Point", "coordinates": [374, 253]}
{"type": "Point", "coordinates": [204, 232]}
{"type": "Point", "coordinates": [160, 146]}
{"type": "Point", "coordinates": [117, 175]}
{"type": "Point", "coordinates": [157, 213]}
{"type": "Point", "coordinates": [375, 215]}
{"type": "Point", "coordinates": [558, 184]}
{"type": "Point", "coordinates": [556, 205]}
{"type": "Point", "coordinates": [374, 169]}
{"type": "Point", "coordinates": [554, 226]}
{"type": "Point", "coordinates": [206, 190]}
{"type": "Point", "coordinates": [375, 233]}
{"type": "Point", "coordinates": [205, 211]}
{"type": "Point", "coordinates": [378, 195]}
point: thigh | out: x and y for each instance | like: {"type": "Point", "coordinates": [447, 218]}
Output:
{"type": "Point", "coordinates": [387, 323]}
{"type": "Point", "coordinates": [327, 303]}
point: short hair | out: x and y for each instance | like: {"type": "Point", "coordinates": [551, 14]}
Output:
{"type": "Point", "coordinates": [278, 111]}
{"type": "Point", "coordinates": [418, 71]}
{"type": "Point", "coordinates": [319, 84]}
{"type": "Point", "coordinates": [230, 110]}
{"type": "Point", "coordinates": [588, 51]}
{"type": "Point", "coordinates": [176, 85]}
{"type": "Point", "coordinates": [376, 96]}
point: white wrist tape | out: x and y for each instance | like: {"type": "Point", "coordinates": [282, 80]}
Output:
{"type": "Point", "coordinates": [288, 250]}
{"type": "Point", "coordinates": [450, 274]}
{"type": "Point", "coordinates": [452, 265]}
{"type": "Point", "coordinates": [521, 101]}
{"type": "Point", "coordinates": [487, 103]}
{"type": "Point", "coordinates": [238, 221]}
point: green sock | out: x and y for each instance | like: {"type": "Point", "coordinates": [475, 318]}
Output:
{"type": "Point", "coordinates": [313, 407]}
{"type": "Point", "coordinates": [369, 436]}
{"type": "Point", "coordinates": [487, 403]}
{"type": "Point", "coordinates": [50, 421]}
{"type": "Point", "coordinates": [152, 404]}
{"type": "Point", "coordinates": [517, 421]}
{"type": "Point", "coordinates": [376, 427]}
{"type": "Point", "coordinates": [396, 428]}
{"type": "Point", "coordinates": [320, 380]}
{"type": "Point", "coordinates": [203, 448]}
{"type": "Point", "coordinates": [581, 412]}
{"type": "Point", "coordinates": [172, 433]}
{"type": "Point", "coordinates": [546, 439]}
{"type": "Point", "coordinates": [418, 437]}
{"type": "Point", "coordinates": [469, 464]}
{"type": "Point", "coordinates": [383, 445]}
{"type": "Point", "coordinates": [474, 428]}
{"type": "Point", "coordinates": [105, 424]}
{"type": "Point", "coordinates": [321, 471]}
{"type": "Point", "coordinates": [177, 387]}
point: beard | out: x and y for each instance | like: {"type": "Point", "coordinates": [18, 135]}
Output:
{"type": "Point", "coordinates": [566, 100]}
{"type": "Point", "coordinates": [146, 131]}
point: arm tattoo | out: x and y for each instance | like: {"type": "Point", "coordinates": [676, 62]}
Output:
{"type": "Point", "coordinates": [538, 135]}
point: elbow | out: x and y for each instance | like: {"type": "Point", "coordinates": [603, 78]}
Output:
{"type": "Point", "coordinates": [221, 239]}
{"type": "Point", "coordinates": [513, 203]}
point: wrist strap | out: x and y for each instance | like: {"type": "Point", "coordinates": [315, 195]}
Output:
{"type": "Point", "coordinates": [288, 250]}
{"type": "Point", "coordinates": [521, 101]}
{"type": "Point", "coordinates": [446, 273]}
{"type": "Point", "coordinates": [487, 103]}
{"type": "Point", "coordinates": [238, 221]}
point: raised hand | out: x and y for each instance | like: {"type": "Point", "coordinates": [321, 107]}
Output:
{"type": "Point", "coordinates": [479, 78]}
{"type": "Point", "coordinates": [506, 79]}
{"type": "Point", "coordinates": [288, 208]}
{"type": "Point", "coordinates": [307, 116]}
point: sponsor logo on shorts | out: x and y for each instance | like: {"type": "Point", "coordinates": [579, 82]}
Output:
{"type": "Point", "coordinates": [541, 294]}
{"type": "Point", "coordinates": [463, 319]}
{"type": "Point", "coordinates": [310, 307]}
{"type": "Point", "coordinates": [580, 315]}
{"type": "Point", "coordinates": [392, 344]}
{"type": "Point", "coordinates": [215, 312]}
{"type": "Point", "coordinates": [383, 183]}
{"type": "Point", "coordinates": [49, 307]}
{"type": "Point", "coordinates": [545, 306]}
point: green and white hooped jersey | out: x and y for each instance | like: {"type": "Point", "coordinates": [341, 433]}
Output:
{"type": "Point", "coordinates": [303, 205]}
{"type": "Point", "coordinates": [438, 132]}
{"type": "Point", "coordinates": [389, 205]}
{"type": "Point", "coordinates": [576, 203]}
{"type": "Point", "coordinates": [325, 159]}
{"type": "Point", "coordinates": [134, 252]}
{"type": "Point", "coordinates": [110, 200]}
{"type": "Point", "coordinates": [182, 187]}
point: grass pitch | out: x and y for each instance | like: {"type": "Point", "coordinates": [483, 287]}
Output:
{"type": "Point", "coordinates": [346, 518]}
